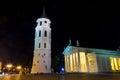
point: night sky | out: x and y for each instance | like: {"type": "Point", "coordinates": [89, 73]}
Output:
{"type": "Point", "coordinates": [95, 24]}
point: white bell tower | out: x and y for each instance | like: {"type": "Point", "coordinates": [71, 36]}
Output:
{"type": "Point", "coordinates": [42, 46]}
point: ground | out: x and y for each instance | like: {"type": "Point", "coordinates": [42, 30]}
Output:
{"type": "Point", "coordinates": [68, 76]}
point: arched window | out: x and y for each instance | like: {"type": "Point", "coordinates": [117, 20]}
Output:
{"type": "Point", "coordinates": [37, 61]}
{"type": "Point", "coordinates": [44, 61]}
{"type": "Point", "coordinates": [40, 23]}
{"type": "Point", "coordinates": [44, 45]}
{"type": "Point", "coordinates": [45, 34]}
{"type": "Point", "coordinates": [40, 33]}
{"type": "Point", "coordinates": [45, 66]}
{"type": "Point", "coordinates": [44, 54]}
{"type": "Point", "coordinates": [39, 45]}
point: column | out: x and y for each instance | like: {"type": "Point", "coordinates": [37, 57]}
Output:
{"type": "Point", "coordinates": [79, 66]}
{"type": "Point", "coordinates": [65, 57]}
{"type": "Point", "coordinates": [83, 62]}
{"type": "Point", "coordinates": [68, 63]}
{"type": "Point", "coordinates": [76, 58]}
{"type": "Point", "coordinates": [73, 61]}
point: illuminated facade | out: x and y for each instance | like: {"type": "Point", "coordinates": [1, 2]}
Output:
{"type": "Point", "coordinates": [0, 67]}
{"type": "Point", "coordinates": [79, 59]}
{"type": "Point", "coordinates": [42, 46]}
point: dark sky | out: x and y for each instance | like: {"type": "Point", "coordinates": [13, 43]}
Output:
{"type": "Point", "coordinates": [95, 24]}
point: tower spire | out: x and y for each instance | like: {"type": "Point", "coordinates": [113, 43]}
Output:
{"type": "Point", "coordinates": [44, 14]}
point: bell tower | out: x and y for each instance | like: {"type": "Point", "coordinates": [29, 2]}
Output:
{"type": "Point", "coordinates": [42, 46]}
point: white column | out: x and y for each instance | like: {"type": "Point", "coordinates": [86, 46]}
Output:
{"type": "Point", "coordinates": [65, 58]}
{"type": "Point", "coordinates": [68, 60]}
{"type": "Point", "coordinates": [77, 63]}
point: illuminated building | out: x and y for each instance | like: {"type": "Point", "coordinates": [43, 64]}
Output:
{"type": "Point", "coordinates": [79, 59]}
{"type": "Point", "coordinates": [0, 66]}
{"type": "Point", "coordinates": [42, 46]}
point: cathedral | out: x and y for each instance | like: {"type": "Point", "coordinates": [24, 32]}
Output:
{"type": "Point", "coordinates": [42, 46]}
{"type": "Point", "coordinates": [76, 58]}
{"type": "Point", "coordinates": [81, 59]}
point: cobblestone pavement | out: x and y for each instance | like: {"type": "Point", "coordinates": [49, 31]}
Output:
{"type": "Point", "coordinates": [67, 76]}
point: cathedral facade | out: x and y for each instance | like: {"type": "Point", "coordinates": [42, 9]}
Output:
{"type": "Point", "coordinates": [42, 46]}
{"type": "Point", "coordinates": [80, 59]}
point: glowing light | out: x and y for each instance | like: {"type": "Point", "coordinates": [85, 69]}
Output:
{"type": "Point", "coordinates": [62, 69]}
{"type": "Point", "coordinates": [18, 67]}
{"type": "Point", "coordinates": [9, 65]}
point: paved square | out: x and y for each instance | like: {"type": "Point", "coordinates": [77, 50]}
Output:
{"type": "Point", "coordinates": [68, 76]}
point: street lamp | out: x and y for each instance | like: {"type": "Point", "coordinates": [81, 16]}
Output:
{"type": "Point", "coordinates": [9, 66]}
{"type": "Point", "coordinates": [19, 69]}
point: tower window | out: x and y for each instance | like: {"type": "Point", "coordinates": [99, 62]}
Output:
{"type": "Point", "coordinates": [44, 61]}
{"type": "Point", "coordinates": [37, 61]}
{"type": "Point", "coordinates": [39, 45]}
{"type": "Point", "coordinates": [44, 54]}
{"type": "Point", "coordinates": [45, 66]}
{"type": "Point", "coordinates": [40, 23]}
{"type": "Point", "coordinates": [39, 33]}
{"type": "Point", "coordinates": [45, 34]}
{"type": "Point", "coordinates": [45, 21]}
{"type": "Point", "coordinates": [44, 45]}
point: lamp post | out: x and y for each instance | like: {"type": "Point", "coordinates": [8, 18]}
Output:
{"type": "Point", "coordinates": [9, 66]}
{"type": "Point", "coordinates": [19, 69]}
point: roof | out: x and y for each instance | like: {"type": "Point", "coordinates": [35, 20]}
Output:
{"type": "Point", "coordinates": [71, 49]}
{"type": "Point", "coordinates": [43, 14]}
